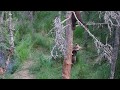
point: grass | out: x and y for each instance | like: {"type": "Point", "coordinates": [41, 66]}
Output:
{"type": "Point", "coordinates": [84, 69]}
{"type": "Point", "coordinates": [45, 68]}
{"type": "Point", "coordinates": [42, 41]}
{"type": "Point", "coordinates": [43, 20]}
{"type": "Point", "coordinates": [24, 47]}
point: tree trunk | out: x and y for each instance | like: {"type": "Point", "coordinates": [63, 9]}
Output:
{"type": "Point", "coordinates": [115, 52]}
{"type": "Point", "coordinates": [1, 17]}
{"type": "Point", "coordinates": [30, 15]}
{"type": "Point", "coordinates": [11, 40]}
{"type": "Point", "coordinates": [2, 37]}
{"type": "Point", "coordinates": [31, 18]}
{"type": "Point", "coordinates": [69, 47]}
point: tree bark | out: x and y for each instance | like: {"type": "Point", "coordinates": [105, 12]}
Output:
{"type": "Point", "coordinates": [31, 15]}
{"type": "Point", "coordinates": [1, 17]}
{"type": "Point", "coordinates": [115, 52]}
{"type": "Point", "coordinates": [2, 37]}
{"type": "Point", "coordinates": [69, 47]}
{"type": "Point", "coordinates": [11, 40]}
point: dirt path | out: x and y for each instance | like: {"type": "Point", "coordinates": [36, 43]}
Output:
{"type": "Point", "coordinates": [24, 72]}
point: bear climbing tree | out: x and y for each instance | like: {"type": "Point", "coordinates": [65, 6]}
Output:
{"type": "Point", "coordinates": [71, 52]}
{"type": "Point", "coordinates": [69, 47]}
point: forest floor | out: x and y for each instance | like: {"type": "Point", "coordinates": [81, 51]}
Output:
{"type": "Point", "coordinates": [24, 73]}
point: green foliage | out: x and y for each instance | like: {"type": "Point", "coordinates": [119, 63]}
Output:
{"type": "Point", "coordinates": [23, 48]}
{"type": "Point", "coordinates": [6, 76]}
{"type": "Point", "coordinates": [78, 33]}
{"type": "Point", "coordinates": [117, 75]}
{"type": "Point", "coordinates": [41, 41]}
{"type": "Point", "coordinates": [45, 68]}
{"type": "Point", "coordinates": [84, 69]}
{"type": "Point", "coordinates": [43, 20]}
{"type": "Point", "coordinates": [103, 71]}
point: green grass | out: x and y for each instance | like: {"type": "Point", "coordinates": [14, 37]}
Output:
{"type": "Point", "coordinates": [44, 20]}
{"type": "Point", "coordinates": [117, 73]}
{"type": "Point", "coordinates": [45, 68]}
{"type": "Point", "coordinates": [23, 48]}
{"type": "Point", "coordinates": [40, 40]}
{"type": "Point", "coordinates": [6, 76]}
{"type": "Point", "coordinates": [84, 68]}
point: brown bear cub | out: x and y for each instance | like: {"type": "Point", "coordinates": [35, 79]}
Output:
{"type": "Point", "coordinates": [76, 48]}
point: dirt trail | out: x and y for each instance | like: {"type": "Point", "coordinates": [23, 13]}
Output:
{"type": "Point", "coordinates": [24, 72]}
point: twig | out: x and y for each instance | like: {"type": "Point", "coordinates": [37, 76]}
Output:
{"type": "Point", "coordinates": [101, 24]}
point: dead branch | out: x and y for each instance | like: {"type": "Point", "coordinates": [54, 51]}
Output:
{"type": "Point", "coordinates": [11, 40]}
{"type": "Point", "coordinates": [103, 50]}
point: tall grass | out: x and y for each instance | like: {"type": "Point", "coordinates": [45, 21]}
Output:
{"type": "Point", "coordinates": [23, 48]}
{"type": "Point", "coordinates": [45, 67]}
{"type": "Point", "coordinates": [43, 20]}
{"type": "Point", "coordinates": [43, 41]}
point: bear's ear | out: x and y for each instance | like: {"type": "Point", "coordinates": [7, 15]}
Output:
{"type": "Point", "coordinates": [77, 47]}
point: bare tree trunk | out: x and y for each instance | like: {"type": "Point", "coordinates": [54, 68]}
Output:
{"type": "Point", "coordinates": [11, 40]}
{"type": "Point", "coordinates": [60, 14]}
{"type": "Point", "coordinates": [115, 52]}
{"type": "Point", "coordinates": [1, 17]}
{"type": "Point", "coordinates": [31, 18]}
{"type": "Point", "coordinates": [11, 31]}
{"type": "Point", "coordinates": [30, 15]}
{"type": "Point", "coordinates": [69, 43]}
{"type": "Point", "coordinates": [1, 31]}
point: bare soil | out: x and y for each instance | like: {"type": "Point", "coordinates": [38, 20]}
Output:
{"type": "Point", "coordinates": [24, 72]}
